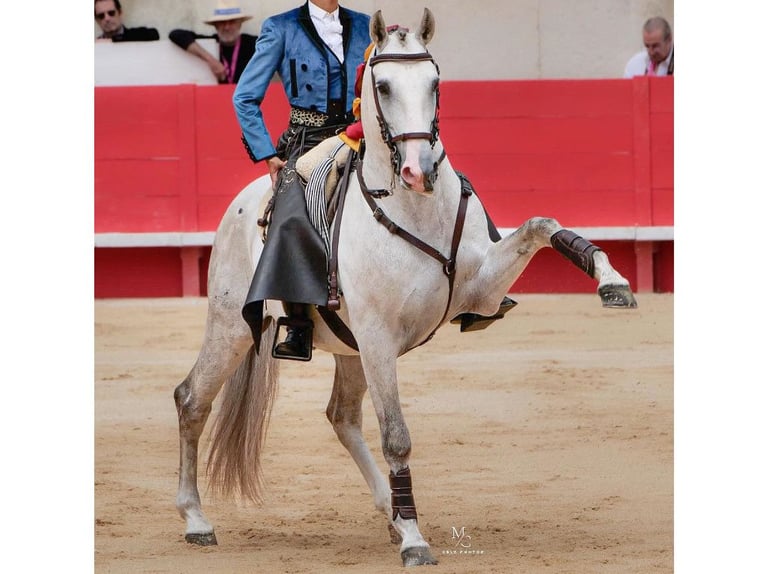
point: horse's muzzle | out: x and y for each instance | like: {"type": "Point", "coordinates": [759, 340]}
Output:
{"type": "Point", "coordinates": [419, 170]}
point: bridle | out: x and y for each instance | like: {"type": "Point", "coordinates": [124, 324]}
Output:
{"type": "Point", "coordinates": [447, 261]}
{"type": "Point", "coordinates": [385, 130]}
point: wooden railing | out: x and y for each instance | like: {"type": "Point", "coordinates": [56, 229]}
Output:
{"type": "Point", "coordinates": [595, 154]}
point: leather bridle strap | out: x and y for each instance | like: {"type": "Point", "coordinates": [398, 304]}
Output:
{"type": "Point", "coordinates": [448, 264]}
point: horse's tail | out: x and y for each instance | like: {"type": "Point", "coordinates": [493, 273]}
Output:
{"type": "Point", "coordinates": [239, 432]}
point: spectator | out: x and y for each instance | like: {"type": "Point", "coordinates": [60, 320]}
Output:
{"type": "Point", "coordinates": [108, 14]}
{"type": "Point", "coordinates": [657, 58]}
{"type": "Point", "coordinates": [315, 49]}
{"type": "Point", "coordinates": [233, 45]}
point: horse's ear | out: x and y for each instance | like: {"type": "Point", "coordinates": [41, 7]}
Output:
{"type": "Point", "coordinates": [378, 32]}
{"type": "Point", "coordinates": [427, 26]}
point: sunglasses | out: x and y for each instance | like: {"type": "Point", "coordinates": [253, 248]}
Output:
{"type": "Point", "coordinates": [102, 15]}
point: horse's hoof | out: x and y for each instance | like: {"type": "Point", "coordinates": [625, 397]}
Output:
{"type": "Point", "coordinates": [418, 556]}
{"type": "Point", "coordinates": [396, 538]}
{"type": "Point", "coordinates": [617, 296]}
{"type": "Point", "coordinates": [202, 539]}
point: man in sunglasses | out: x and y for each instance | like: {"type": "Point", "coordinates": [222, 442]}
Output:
{"type": "Point", "coordinates": [108, 14]}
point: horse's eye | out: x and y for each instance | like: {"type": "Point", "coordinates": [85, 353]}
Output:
{"type": "Point", "coordinates": [384, 89]}
{"type": "Point", "coordinates": [435, 86]}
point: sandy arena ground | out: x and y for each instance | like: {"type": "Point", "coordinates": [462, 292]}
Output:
{"type": "Point", "coordinates": [546, 440]}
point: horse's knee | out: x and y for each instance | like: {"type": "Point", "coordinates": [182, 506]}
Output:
{"type": "Point", "coordinates": [544, 225]}
{"type": "Point", "coordinates": [535, 233]}
{"type": "Point", "coordinates": [396, 443]}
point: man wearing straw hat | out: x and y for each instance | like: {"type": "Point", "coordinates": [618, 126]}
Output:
{"type": "Point", "coordinates": [235, 47]}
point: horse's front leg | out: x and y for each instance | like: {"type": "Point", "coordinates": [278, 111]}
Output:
{"type": "Point", "coordinates": [613, 288]}
{"type": "Point", "coordinates": [509, 257]}
{"type": "Point", "coordinates": [380, 371]}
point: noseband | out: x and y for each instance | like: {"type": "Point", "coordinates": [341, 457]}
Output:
{"type": "Point", "coordinates": [385, 130]}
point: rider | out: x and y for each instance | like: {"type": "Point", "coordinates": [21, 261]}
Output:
{"type": "Point", "coordinates": [315, 49]}
{"type": "Point", "coordinates": [293, 265]}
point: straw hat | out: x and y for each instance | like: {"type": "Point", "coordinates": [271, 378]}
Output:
{"type": "Point", "coordinates": [227, 10]}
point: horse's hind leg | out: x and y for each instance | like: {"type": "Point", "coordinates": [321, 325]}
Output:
{"type": "Point", "coordinates": [218, 358]}
{"type": "Point", "coordinates": [344, 411]}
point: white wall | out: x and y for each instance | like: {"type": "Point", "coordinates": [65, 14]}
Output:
{"type": "Point", "coordinates": [150, 64]}
{"type": "Point", "coordinates": [480, 39]}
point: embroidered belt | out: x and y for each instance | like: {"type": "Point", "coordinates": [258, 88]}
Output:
{"type": "Point", "coordinates": [312, 119]}
{"type": "Point", "coordinates": [309, 118]}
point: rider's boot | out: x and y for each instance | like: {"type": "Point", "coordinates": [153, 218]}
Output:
{"type": "Point", "coordinates": [298, 343]}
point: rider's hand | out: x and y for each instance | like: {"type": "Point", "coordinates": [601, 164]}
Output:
{"type": "Point", "coordinates": [275, 166]}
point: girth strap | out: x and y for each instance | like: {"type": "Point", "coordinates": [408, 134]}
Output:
{"type": "Point", "coordinates": [338, 327]}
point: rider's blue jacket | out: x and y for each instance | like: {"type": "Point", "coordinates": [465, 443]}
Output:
{"type": "Point", "coordinates": [290, 46]}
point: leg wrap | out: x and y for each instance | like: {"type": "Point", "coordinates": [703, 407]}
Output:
{"type": "Point", "coordinates": [575, 248]}
{"type": "Point", "coordinates": [402, 501]}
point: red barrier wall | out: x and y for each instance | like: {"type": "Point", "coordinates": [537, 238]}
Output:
{"type": "Point", "coordinates": [591, 153]}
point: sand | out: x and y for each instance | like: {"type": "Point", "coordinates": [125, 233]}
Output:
{"type": "Point", "coordinates": [542, 444]}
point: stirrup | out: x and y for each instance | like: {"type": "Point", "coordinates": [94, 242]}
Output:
{"type": "Point", "coordinates": [476, 322]}
{"type": "Point", "coordinates": [306, 326]}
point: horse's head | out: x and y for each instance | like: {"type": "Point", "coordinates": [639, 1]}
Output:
{"type": "Point", "coordinates": [401, 95]}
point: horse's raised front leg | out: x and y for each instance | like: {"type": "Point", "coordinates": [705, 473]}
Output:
{"type": "Point", "coordinates": [344, 411]}
{"type": "Point", "coordinates": [510, 256]}
{"type": "Point", "coordinates": [380, 372]}
{"type": "Point", "coordinates": [613, 288]}
{"type": "Point", "coordinates": [217, 360]}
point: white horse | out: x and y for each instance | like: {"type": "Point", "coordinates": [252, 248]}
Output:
{"type": "Point", "coordinates": [394, 294]}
